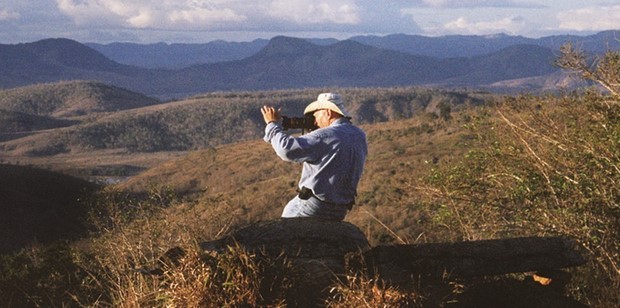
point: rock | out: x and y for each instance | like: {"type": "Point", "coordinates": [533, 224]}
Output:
{"type": "Point", "coordinates": [305, 257]}
{"type": "Point", "coordinates": [298, 238]}
{"type": "Point", "coordinates": [398, 263]}
{"type": "Point", "coordinates": [314, 248]}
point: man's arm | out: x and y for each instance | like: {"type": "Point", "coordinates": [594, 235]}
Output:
{"type": "Point", "coordinates": [287, 147]}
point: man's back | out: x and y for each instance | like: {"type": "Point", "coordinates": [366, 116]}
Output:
{"type": "Point", "coordinates": [342, 152]}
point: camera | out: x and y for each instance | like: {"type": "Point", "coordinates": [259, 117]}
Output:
{"type": "Point", "coordinates": [305, 123]}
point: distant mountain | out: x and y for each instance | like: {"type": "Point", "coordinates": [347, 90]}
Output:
{"type": "Point", "coordinates": [513, 62]}
{"type": "Point", "coordinates": [75, 98]}
{"type": "Point", "coordinates": [475, 45]}
{"type": "Point", "coordinates": [293, 63]}
{"type": "Point", "coordinates": [444, 46]}
{"type": "Point", "coordinates": [284, 62]}
{"type": "Point", "coordinates": [54, 60]}
{"type": "Point", "coordinates": [175, 56]}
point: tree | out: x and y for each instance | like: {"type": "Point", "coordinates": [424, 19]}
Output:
{"type": "Point", "coordinates": [604, 70]}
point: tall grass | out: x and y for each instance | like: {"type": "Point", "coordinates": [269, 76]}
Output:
{"type": "Point", "coordinates": [143, 259]}
{"type": "Point", "coordinates": [544, 166]}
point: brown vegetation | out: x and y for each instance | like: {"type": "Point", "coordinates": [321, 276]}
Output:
{"type": "Point", "coordinates": [70, 99]}
{"type": "Point", "coordinates": [203, 122]}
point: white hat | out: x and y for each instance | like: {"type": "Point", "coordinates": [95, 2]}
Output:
{"type": "Point", "coordinates": [331, 101]}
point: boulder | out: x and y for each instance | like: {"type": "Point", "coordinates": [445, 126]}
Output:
{"type": "Point", "coordinates": [314, 249]}
{"type": "Point", "coordinates": [317, 253]}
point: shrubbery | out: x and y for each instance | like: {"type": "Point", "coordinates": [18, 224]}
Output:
{"type": "Point", "coordinates": [544, 166]}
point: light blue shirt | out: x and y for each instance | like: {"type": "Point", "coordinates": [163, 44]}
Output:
{"type": "Point", "coordinates": [333, 158]}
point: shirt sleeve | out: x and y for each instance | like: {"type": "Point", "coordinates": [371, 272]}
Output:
{"type": "Point", "coordinates": [304, 148]}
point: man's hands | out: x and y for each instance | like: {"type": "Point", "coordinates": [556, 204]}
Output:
{"type": "Point", "coordinates": [270, 114]}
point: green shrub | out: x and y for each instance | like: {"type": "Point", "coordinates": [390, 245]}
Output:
{"type": "Point", "coordinates": [543, 166]}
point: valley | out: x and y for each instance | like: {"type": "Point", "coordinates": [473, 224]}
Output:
{"type": "Point", "coordinates": [120, 142]}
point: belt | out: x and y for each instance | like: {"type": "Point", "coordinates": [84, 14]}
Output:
{"type": "Point", "coordinates": [306, 193]}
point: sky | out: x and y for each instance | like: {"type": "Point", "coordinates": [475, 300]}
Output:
{"type": "Point", "coordinates": [201, 21]}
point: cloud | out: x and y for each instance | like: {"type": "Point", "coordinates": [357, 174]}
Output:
{"type": "Point", "coordinates": [218, 15]}
{"type": "Point", "coordinates": [106, 12]}
{"type": "Point", "coordinates": [311, 16]}
{"type": "Point", "coordinates": [453, 4]}
{"type": "Point", "coordinates": [590, 18]}
{"type": "Point", "coordinates": [313, 12]}
{"type": "Point", "coordinates": [209, 14]}
{"type": "Point", "coordinates": [160, 14]}
{"type": "Point", "coordinates": [7, 14]}
{"type": "Point", "coordinates": [178, 20]}
{"type": "Point", "coordinates": [508, 25]}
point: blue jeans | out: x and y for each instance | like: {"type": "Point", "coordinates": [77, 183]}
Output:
{"type": "Point", "coordinates": [313, 207]}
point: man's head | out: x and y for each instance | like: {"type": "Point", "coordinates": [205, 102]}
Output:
{"type": "Point", "coordinates": [330, 101]}
{"type": "Point", "coordinates": [327, 108]}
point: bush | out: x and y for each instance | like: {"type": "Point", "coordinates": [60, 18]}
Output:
{"type": "Point", "coordinates": [544, 166]}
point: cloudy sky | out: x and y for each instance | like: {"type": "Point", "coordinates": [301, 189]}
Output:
{"type": "Point", "coordinates": [198, 21]}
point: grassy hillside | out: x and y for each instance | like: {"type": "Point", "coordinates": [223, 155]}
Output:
{"type": "Point", "coordinates": [67, 99]}
{"type": "Point", "coordinates": [527, 166]}
{"type": "Point", "coordinates": [220, 118]}
{"type": "Point", "coordinates": [15, 122]}
{"type": "Point", "coordinates": [399, 153]}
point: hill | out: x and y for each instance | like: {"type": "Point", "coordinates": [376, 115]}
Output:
{"type": "Point", "coordinates": [452, 46]}
{"type": "Point", "coordinates": [399, 152]}
{"type": "Point", "coordinates": [518, 61]}
{"type": "Point", "coordinates": [18, 122]}
{"type": "Point", "coordinates": [40, 206]}
{"type": "Point", "coordinates": [295, 63]}
{"type": "Point", "coordinates": [69, 99]}
{"type": "Point", "coordinates": [283, 63]}
{"type": "Point", "coordinates": [53, 60]}
{"type": "Point", "coordinates": [214, 119]}
{"type": "Point", "coordinates": [176, 56]}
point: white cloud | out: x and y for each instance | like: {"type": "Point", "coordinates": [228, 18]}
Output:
{"type": "Point", "coordinates": [590, 18]}
{"type": "Point", "coordinates": [7, 14]}
{"type": "Point", "coordinates": [106, 12]}
{"type": "Point", "coordinates": [202, 16]}
{"type": "Point", "coordinates": [451, 4]}
{"type": "Point", "coordinates": [313, 12]}
{"type": "Point", "coordinates": [163, 14]}
{"type": "Point", "coordinates": [507, 25]}
{"type": "Point", "coordinates": [202, 20]}
{"type": "Point", "coordinates": [209, 14]}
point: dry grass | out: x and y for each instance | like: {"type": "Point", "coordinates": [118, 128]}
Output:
{"type": "Point", "coordinates": [359, 291]}
{"type": "Point", "coordinates": [542, 167]}
{"type": "Point", "coordinates": [135, 235]}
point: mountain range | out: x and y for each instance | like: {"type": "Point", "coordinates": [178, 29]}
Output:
{"type": "Point", "coordinates": [173, 56]}
{"type": "Point", "coordinates": [287, 62]}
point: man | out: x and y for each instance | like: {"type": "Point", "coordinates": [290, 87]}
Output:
{"type": "Point", "coordinates": [333, 158]}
